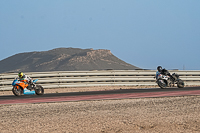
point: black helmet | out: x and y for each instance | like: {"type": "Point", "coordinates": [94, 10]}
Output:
{"type": "Point", "coordinates": [159, 68]}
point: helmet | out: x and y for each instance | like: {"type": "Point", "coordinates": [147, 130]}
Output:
{"type": "Point", "coordinates": [20, 74]}
{"type": "Point", "coordinates": [159, 68]}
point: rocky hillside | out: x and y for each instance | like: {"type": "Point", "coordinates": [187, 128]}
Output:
{"type": "Point", "coordinates": [64, 59]}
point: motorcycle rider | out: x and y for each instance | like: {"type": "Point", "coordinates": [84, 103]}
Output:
{"type": "Point", "coordinates": [24, 78]}
{"type": "Point", "coordinates": [162, 71]}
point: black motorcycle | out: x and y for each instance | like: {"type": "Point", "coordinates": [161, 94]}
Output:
{"type": "Point", "coordinates": [168, 80]}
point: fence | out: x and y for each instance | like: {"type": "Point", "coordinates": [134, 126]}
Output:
{"type": "Point", "coordinates": [59, 79]}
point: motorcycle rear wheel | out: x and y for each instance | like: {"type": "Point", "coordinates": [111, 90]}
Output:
{"type": "Point", "coordinates": [162, 84]}
{"type": "Point", "coordinates": [39, 90]}
{"type": "Point", "coordinates": [180, 83]}
{"type": "Point", "coordinates": [17, 92]}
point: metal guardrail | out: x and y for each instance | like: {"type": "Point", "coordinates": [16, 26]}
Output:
{"type": "Point", "coordinates": [60, 79]}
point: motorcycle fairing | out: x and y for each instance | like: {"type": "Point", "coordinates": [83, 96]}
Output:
{"type": "Point", "coordinates": [18, 83]}
{"type": "Point", "coordinates": [28, 92]}
{"type": "Point", "coordinates": [15, 82]}
{"type": "Point", "coordinates": [162, 81]}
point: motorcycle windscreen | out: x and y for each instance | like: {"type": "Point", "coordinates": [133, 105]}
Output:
{"type": "Point", "coordinates": [28, 92]}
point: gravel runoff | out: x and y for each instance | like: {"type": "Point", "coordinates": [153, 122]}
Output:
{"type": "Point", "coordinates": [144, 115]}
{"type": "Point", "coordinates": [169, 114]}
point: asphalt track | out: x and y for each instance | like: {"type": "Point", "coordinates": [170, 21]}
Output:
{"type": "Point", "coordinates": [100, 95]}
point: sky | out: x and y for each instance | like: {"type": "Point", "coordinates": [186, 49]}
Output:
{"type": "Point", "coordinates": [144, 33]}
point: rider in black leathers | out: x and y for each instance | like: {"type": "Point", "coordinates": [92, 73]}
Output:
{"type": "Point", "coordinates": [164, 72]}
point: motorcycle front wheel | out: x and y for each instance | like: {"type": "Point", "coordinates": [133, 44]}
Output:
{"type": "Point", "coordinates": [39, 90]}
{"type": "Point", "coordinates": [162, 84]}
{"type": "Point", "coordinates": [17, 92]}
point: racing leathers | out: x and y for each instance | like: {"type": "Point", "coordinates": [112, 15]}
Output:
{"type": "Point", "coordinates": [163, 71]}
{"type": "Point", "coordinates": [27, 80]}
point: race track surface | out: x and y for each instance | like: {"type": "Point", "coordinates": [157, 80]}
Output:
{"type": "Point", "coordinates": [100, 95]}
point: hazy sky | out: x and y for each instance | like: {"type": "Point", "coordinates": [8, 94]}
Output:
{"type": "Point", "coordinates": [144, 33]}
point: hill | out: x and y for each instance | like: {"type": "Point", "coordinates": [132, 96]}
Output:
{"type": "Point", "coordinates": [64, 59]}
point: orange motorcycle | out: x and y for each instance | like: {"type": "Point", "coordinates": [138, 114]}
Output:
{"type": "Point", "coordinates": [24, 88]}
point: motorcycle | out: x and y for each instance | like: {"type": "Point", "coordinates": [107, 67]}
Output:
{"type": "Point", "coordinates": [164, 81]}
{"type": "Point", "coordinates": [23, 88]}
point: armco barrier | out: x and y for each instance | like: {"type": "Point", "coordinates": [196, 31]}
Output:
{"type": "Point", "coordinates": [57, 79]}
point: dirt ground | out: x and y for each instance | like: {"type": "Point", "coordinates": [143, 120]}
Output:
{"type": "Point", "coordinates": [144, 115]}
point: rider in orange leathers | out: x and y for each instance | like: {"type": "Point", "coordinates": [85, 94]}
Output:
{"type": "Point", "coordinates": [24, 78]}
